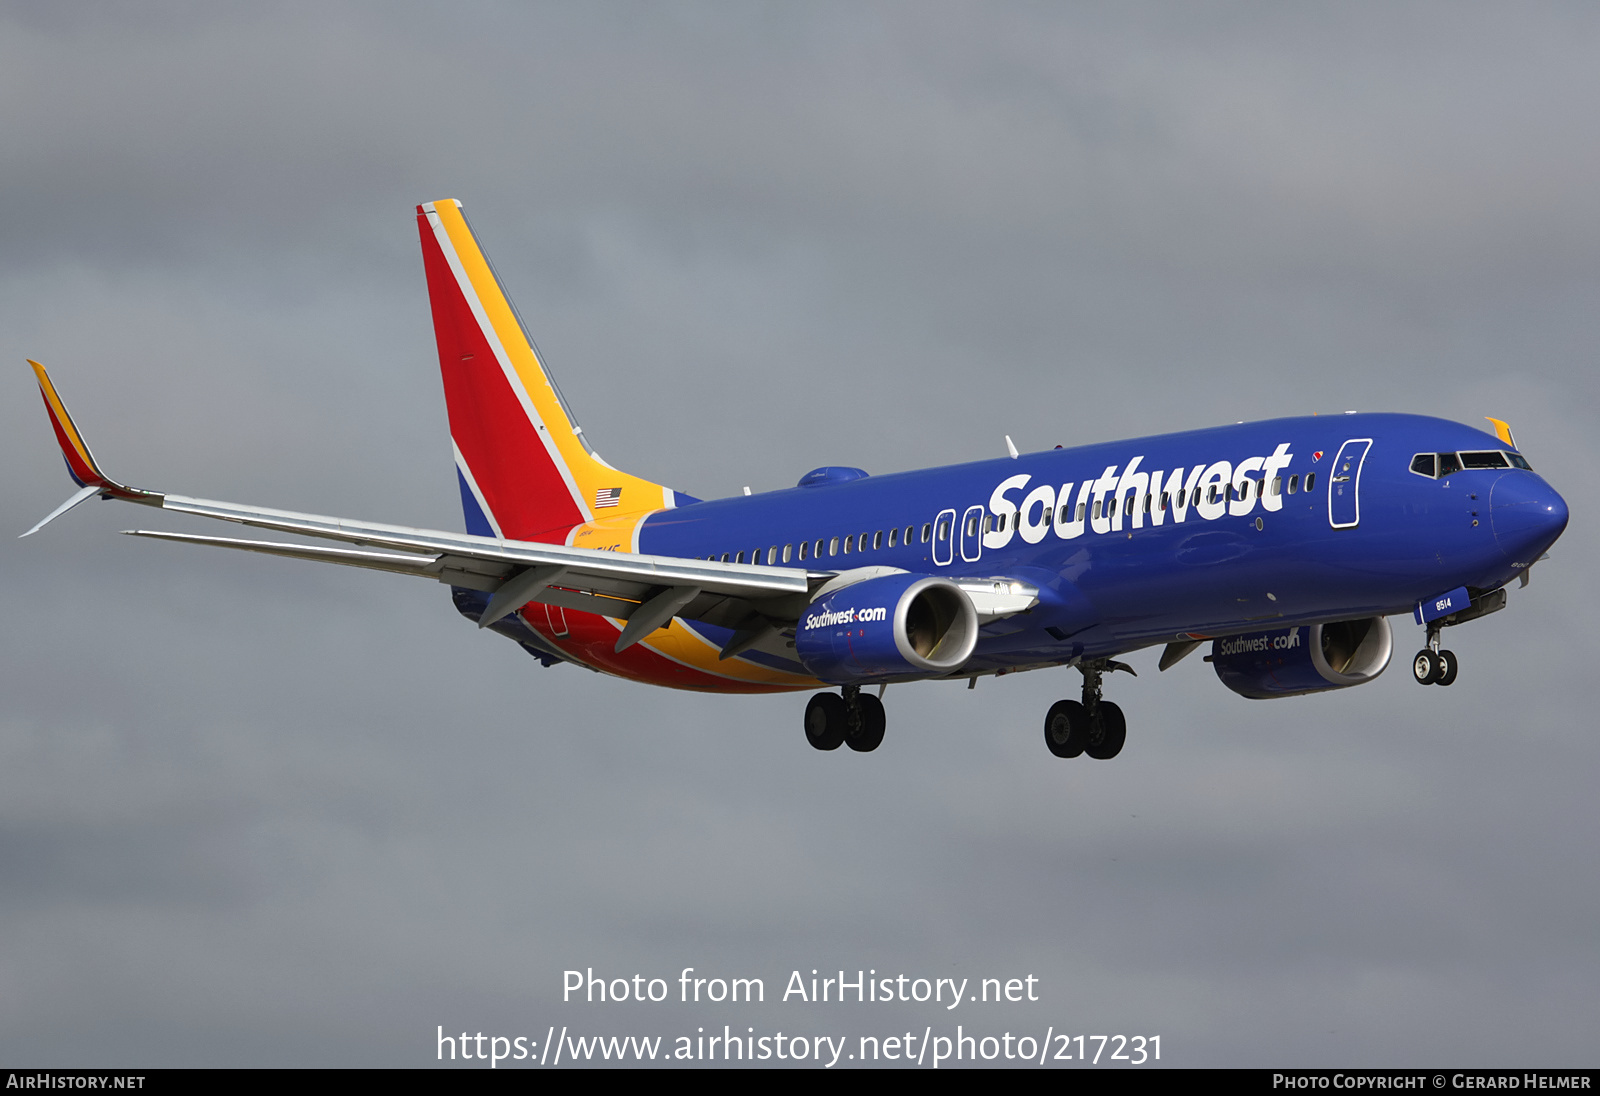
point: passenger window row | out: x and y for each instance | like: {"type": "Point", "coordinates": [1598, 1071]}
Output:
{"type": "Point", "coordinates": [830, 546]}
{"type": "Point", "coordinates": [1434, 465]}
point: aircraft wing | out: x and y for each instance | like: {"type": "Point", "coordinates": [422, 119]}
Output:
{"type": "Point", "coordinates": [621, 585]}
{"type": "Point", "coordinates": [646, 591]}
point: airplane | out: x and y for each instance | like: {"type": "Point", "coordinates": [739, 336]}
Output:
{"type": "Point", "coordinates": [1286, 544]}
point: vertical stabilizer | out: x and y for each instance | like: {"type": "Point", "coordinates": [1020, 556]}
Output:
{"type": "Point", "coordinates": [525, 470]}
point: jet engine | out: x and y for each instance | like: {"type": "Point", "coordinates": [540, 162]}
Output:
{"type": "Point", "coordinates": [891, 626]}
{"type": "Point", "coordinates": [1296, 661]}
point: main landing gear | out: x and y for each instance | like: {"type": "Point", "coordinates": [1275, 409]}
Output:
{"type": "Point", "coordinates": [1433, 666]}
{"type": "Point", "coordinates": [853, 719]}
{"type": "Point", "coordinates": [1095, 727]}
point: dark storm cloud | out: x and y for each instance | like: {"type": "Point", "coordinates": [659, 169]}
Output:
{"type": "Point", "coordinates": [255, 812]}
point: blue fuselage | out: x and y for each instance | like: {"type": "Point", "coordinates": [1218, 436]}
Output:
{"type": "Point", "coordinates": [1211, 532]}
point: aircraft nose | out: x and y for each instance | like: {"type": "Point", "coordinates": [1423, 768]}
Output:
{"type": "Point", "coordinates": [1527, 515]}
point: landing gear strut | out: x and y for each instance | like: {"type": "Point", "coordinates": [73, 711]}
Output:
{"type": "Point", "coordinates": [1433, 666]}
{"type": "Point", "coordinates": [851, 719]}
{"type": "Point", "coordinates": [1095, 727]}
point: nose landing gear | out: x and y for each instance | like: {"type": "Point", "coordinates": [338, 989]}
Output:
{"type": "Point", "coordinates": [1433, 666]}
{"type": "Point", "coordinates": [1095, 727]}
{"type": "Point", "coordinates": [851, 719]}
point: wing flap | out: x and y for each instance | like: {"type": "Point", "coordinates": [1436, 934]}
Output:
{"type": "Point", "coordinates": [404, 563]}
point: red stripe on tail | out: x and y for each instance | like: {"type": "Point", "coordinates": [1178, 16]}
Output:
{"type": "Point", "coordinates": [525, 492]}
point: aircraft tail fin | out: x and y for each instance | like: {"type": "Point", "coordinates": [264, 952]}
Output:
{"type": "Point", "coordinates": [525, 470]}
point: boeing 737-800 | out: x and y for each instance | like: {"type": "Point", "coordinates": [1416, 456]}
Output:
{"type": "Point", "coordinates": [1286, 544]}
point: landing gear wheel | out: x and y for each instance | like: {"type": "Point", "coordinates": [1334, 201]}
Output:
{"type": "Point", "coordinates": [1105, 741]}
{"type": "Point", "coordinates": [1066, 728]}
{"type": "Point", "coordinates": [1426, 668]}
{"type": "Point", "coordinates": [825, 721]}
{"type": "Point", "coordinates": [869, 734]}
{"type": "Point", "coordinates": [1447, 667]}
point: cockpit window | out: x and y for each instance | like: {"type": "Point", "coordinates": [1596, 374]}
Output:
{"type": "Point", "coordinates": [1444, 464]}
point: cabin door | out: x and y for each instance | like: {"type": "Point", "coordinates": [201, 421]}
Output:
{"type": "Point", "coordinates": [944, 532]}
{"type": "Point", "coordinates": [1344, 484]}
{"type": "Point", "coordinates": [972, 533]}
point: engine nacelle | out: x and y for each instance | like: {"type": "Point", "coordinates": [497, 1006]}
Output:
{"type": "Point", "coordinates": [1296, 661]}
{"type": "Point", "coordinates": [891, 626]}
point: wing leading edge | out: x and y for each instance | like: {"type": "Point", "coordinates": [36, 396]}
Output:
{"type": "Point", "coordinates": [621, 585]}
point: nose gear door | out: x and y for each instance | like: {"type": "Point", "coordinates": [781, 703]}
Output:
{"type": "Point", "coordinates": [1344, 484]}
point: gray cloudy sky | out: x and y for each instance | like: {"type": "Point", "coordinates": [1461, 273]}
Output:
{"type": "Point", "coordinates": [254, 812]}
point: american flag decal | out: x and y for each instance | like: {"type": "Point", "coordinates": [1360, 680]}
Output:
{"type": "Point", "coordinates": [607, 496]}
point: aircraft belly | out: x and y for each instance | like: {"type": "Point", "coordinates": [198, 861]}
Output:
{"type": "Point", "coordinates": [671, 657]}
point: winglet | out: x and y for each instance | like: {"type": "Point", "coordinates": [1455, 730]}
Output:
{"type": "Point", "coordinates": [81, 464]}
{"type": "Point", "coordinates": [1502, 430]}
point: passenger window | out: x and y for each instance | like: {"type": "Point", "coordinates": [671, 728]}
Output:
{"type": "Point", "coordinates": [909, 529]}
{"type": "Point", "coordinates": [1277, 485]}
{"type": "Point", "coordinates": [972, 526]}
{"type": "Point", "coordinates": [1449, 463]}
{"type": "Point", "coordinates": [849, 543]}
{"type": "Point", "coordinates": [833, 546]}
{"type": "Point", "coordinates": [1147, 499]}
{"type": "Point", "coordinates": [738, 557]}
{"type": "Point", "coordinates": [724, 557]}
{"type": "Point", "coordinates": [894, 535]}
{"type": "Point", "coordinates": [816, 549]}
{"type": "Point", "coordinates": [1097, 505]}
{"type": "Point", "coordinates": [803, 546]}
{"type": "Point", "coordinates": [1166, 498]}
{"type": "Point", "coordinates": [1081, 507]}
{"type": "Point", "coordinates": [877, 540]}
{"type": "Point", "coordinates": [988, 523]}
{"type": "Point", "coordinates": [1294, 483]}
{"type": "Point", "coordinates": [786, 553]}
{"type": "Point", "coordinates": [1311, 481]}
{"type": "Point", "coordinates": [944, 530]}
